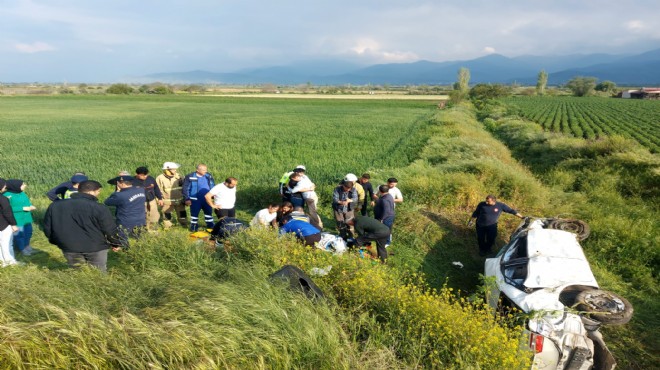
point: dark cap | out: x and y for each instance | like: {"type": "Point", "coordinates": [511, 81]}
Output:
{"type": "Point", "coordinates": [120, 178]}
{"type": "Point", "coordinates": [77, 179]}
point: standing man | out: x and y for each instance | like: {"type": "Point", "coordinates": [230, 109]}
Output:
{"type": "Point", "coordinates": [222, 198]}
{"type": "Point", "coordinates": [195, 187]}
{"type": "Point", "coordinates": [7, 229]}
{"type": "Point", "coordinates": [60, 190]}
{"type": "Point", "coordinates": [82, 228]}
{"type": "Point", "coordinates": [369, 229]}
{"type": "Point", "coordinates": [310, 198]}
{"type": "Point", "coordinates": [384, 209]}
{"type": "Point", "coordinates": [358, 187]}
{"type": "Point", "coordinates": [369, 195]}
{"type": "Point", "coordinates": [154, 196]}
{"type": "Point", "coordinates": [170, 184]}
{"type": "Point", "coordinates": [128, 201]}
{"type": "Point", "coordinates": [394, 191]}
{"type": "Point", "coordinates": [487, 214]}
{"type": "Point", "coordinates": [344, 200]}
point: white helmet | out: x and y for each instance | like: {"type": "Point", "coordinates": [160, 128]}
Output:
{"type": "Point", "coordinates": [350, 177]}
{"type": "Point", "coordinates": [170, 165]}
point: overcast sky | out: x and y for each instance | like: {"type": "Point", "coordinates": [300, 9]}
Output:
{"type": "Point", "coordinates": [105, 40]}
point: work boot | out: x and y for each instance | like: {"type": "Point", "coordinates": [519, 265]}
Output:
{"type": "Point", "coordinates": [167, 224]}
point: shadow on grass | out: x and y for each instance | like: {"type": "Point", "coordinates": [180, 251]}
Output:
{"type": "Point", "coordinates": [454, 258]}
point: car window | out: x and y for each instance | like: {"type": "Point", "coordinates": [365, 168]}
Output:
{"type": "Point", "coordinates": [515, 261]}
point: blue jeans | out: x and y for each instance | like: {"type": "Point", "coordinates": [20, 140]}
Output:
{"type": "Point", "coordinates": [23, 236]}
{"type": "Point", "coordinates": [389, 222]}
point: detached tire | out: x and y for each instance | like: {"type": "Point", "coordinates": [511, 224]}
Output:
{"type": "Point", "coordinates": [577, 227]}
{"type": "Point", "coordinates": [604, 307]}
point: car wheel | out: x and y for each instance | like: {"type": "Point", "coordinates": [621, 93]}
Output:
{"type": "Point", "coordinates": [577, 227]}
{"type": "Point", "coordinates": [604, 307]}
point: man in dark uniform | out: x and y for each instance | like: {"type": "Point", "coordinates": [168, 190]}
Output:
{"type": "Point", "coordinates": [66, 188]}
{"type": "Point", "coordinates": [128, 201]}
{"type": "Point", "coordinates": [369, 229]}
{"type": "Point", "coordinates": [487, 214]}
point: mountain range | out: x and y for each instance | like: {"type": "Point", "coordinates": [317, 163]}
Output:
{"type": "Point", "coordinates": [632, 70]}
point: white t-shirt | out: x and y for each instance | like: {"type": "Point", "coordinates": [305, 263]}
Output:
{"type": "Point", "coordinates": [224, 196]}
{"type": "Point", "coordinates": [305, 183]}
{"type": "Point", "coordinates": [263, 218]}
{"type": "Point", "coordinates": [395, 193]}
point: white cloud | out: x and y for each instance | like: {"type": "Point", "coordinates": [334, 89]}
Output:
{"type": "Point", "coordinates": [35, 47]}
{"type": "Point", "coordinates": [365, 46]}
{"type": "Point", "coordinates": [372, 49]}
{"type": "Point", "coordinates": [489, 50]}
{"type": "Point", "coordinates": [635, 25]}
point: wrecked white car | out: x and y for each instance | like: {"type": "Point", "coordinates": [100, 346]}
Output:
{"type": "Point", "coordinates": [543, 272]}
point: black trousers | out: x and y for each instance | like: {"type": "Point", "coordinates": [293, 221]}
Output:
{"type": "Point", "coordinates": [381, 240]}
{"type": "Point", "coordinates": [97, 259]}
{"type": "Point", "coordinates": [309, 240]}
{"type": "Point", "coordinates": [225, 212]}
{"type": "Point", "coordinates": [486, 237]}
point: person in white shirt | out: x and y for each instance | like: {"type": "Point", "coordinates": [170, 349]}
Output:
{"type": "Point", "coordinates": [222, 198]}
{"type": "Point", "coordinates": [394, 191]}
{"type": "Point", "coordinates": [306, 187]}
{"type": "Point", "coordinates": [266, 217]}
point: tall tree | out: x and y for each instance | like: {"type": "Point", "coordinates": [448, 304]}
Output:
{"type": "Point", "coordinates": [582, 86]}
{"type": "Point", "coordinates": [464, 80]}
{"type": "Point", "coordinates": [541, 82]}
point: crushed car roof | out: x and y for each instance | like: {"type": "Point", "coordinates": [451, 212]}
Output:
{"type": "Point", "coordinates": [555, 259]}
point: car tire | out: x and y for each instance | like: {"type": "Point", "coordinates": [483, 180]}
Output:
{"type": "Point", "coordinates": [577, 227]}
{"type": "Point", "coordinates": [604, 306]}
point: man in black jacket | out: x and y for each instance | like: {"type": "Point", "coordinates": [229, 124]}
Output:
{"type": "Point", "coordinates": [81, 227]}
{"type": "Point", "coordinates": [486, 214]}
{"type": "Point", "coordinates": [384, 210]}
{"type": "Point", "coordinates": [369, 229]}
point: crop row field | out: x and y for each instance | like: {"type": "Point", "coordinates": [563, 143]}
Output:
{"type": "Point", "coordinates": [594, 117]}
{"type": "Point", "coordinates": [43, 140]}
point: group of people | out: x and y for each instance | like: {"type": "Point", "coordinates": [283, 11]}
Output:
{"type": "Point", "coordinates": [350, 200]}
{"type": "Point", "coordinates": [84, 229]}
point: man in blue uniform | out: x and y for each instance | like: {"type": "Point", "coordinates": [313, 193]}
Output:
{"type": "Point", "coordinates": [487, 214]}
{"type": "Point", "coordinates": [195, 187]}
{"type": "Point", "coordinates": [304, 231]}
{"type": "Point", "coordinates": [128, 201]}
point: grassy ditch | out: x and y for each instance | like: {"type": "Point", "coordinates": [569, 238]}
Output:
{"type": "Point", "coordinates": [612, 183]}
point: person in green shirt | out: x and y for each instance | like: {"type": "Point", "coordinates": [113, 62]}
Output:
{"type": "Point", "coordinates": [22, 209]}
{"type": "Point", "coordinates": [369, 229]}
